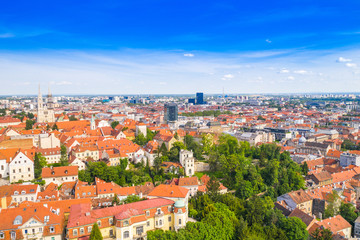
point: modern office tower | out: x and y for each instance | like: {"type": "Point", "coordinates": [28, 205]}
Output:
{"type": "Point", "coordinates": [170, 112]}
{"type": "Point", "coordinates": [199, 98]}
{"type": "Point", "coordinates": [192, 100]}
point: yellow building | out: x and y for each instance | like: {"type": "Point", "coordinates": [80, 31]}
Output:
{"type": "Point", "coordinates": [128, 221]}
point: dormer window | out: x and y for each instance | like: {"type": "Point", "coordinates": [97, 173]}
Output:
{"type": "Point", "coordinates": [46, 218]}
{"type": "Point", "coordinates": [158, 211]}
{"type": "Point", "coordinates": [23, 192]}
{"type": "Point", "coordinates": [16, 193]}
{"type": "Point", "coordinates": [126, 223]}
{"type": "Point", "coordinates": [18, 220]}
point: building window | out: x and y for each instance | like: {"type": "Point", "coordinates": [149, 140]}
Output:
{"type": "Point", "coordinates": [126, 234]}
{"type": "Point", "coordinates": [160, 222]}
{"type": "Point", "coordinates": [81, 231]}
{"type": "Point", "coordinates": [99, 223]}
{"type": "Point", "coordinates": [179, 221]}
{"type": "Point", "coordinates": [169, 218]}
{"type": "Point", "coordinates": [40, 229]}
{"type": "Point", "coordinates": [170, 228]}
{"type": "Point", "coordinates": [147, 213]}
{"type": "Point", "coordinates": [75, 232]}
{"type": "Point", "coordinates": [13, 235]}
{"type": "Point", "coordinates": [26, 231]}
{"type": "Point", "coordinates": [52, 229]}
{"type": "Point", "coordinates": [89, 229]}
{"type": "Point", "coordinates": [2, 235]}
{"type": "Point", "coordinates": [158, 211]}
{"type": "Point", "coordinates": [126, 223]}
{"type": "Point", "coordinates": [139, 230]}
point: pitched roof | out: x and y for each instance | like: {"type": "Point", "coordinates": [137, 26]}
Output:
{"type": "Point", "coordinates": [188, 181]}
{"type": "Point", "coordinates": [169, 191]}
{"type": "Point", "coordinates": [335, 224]}
{"type": "Point", "coordinates": [59, 171]}
{"type": "Point", "coordinates": [322, 176]}
{"type": "Point", "coordinates": [300, 196]}
{"type": "Point", "coordinates": [306, 218]}
{"type": "Point", "coordinates": [78, 213]}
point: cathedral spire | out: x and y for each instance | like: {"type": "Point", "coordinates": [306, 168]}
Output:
{"type": "Point", "coordinates": [49, 92]}
{"type": "Point", "coordinates": [40, 100]}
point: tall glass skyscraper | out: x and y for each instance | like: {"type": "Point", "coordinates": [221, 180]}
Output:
{"type": "Point", "coordinates": [170, 112]}
{"type": "Point", "coordinates": [199, 98]}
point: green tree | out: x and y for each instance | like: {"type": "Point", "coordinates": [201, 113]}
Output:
{"type": "Point", "coordinates": [332, 208]}
{"type": "Point", "coordinates": [114, 124]}
{"type": "Point", "coordinates": [245, 190]}
{"type": "Point", "coordinates": [72, 118]}
{"type": "Point", "coordinates": [30, 115]}
{"type": "Point", "coordinates": [347, 211]}
{"type": "Point", "coordinates": [29, 124]}
{"type": "Point", "coordinates": [55, 127]}
{"type": "Point", "coordinates": [207, 141]}
{"type": "Point", "coordinates": [64, 161]}
{"type": "Point", "coordinates": [294, 228]}
{"type": "Point", "coordinates": [213, 187]}
{"type": "Point", "coordinates": [95, 233]}
{"type": "Point", "coordinates": [140, 139]}
{"type": "Point", "coordinates": [39, 163]}
{"type": "Point", "coordinates": [116, 200]}
{"type": "Point", "coordinates": [132, 198]}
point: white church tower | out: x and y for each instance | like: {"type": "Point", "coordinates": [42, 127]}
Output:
{"type": "Point", "coordinates": [187, 161]}
{"type": "Point", "coordinates": [45, 113]}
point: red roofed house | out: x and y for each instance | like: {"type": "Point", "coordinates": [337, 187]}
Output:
{"type": "Point", "coordinates": [171, 192]}
{"type": "Point", "coordinates": [337, 225]}
{"type": "Point", "coordinates": [128, 221]}
{"type": "Point", "coordinates": [191, 183]}
{"type": "Point", "coordinates": [59, 175]}
{"type": "Point", "coordinates": [31, 221]}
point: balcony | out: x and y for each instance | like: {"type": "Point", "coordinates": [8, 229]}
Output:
{"type": "Point", "coordinates": [158, 215]}
{"type": "Point", "coordinates": [139, 236]}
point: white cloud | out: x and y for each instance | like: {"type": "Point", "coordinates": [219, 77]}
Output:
{"type": "Point", "coordinates": [291, 78]}
{"type": "Point", "coordinates": [268, 40]}
{"type": "Point", "coordinates": [341, 59]}
{"type": "Point", "coordinates": [227, 77]}
{"type": "Point", "coordinates": [284, 70]}
{"type": "Point", "coordinates": [352, 65]}
{"type": "Point", "coordinates": [302, 72]}
{"type": "Point", "coordinates": [7, 35]}
{"type": "Point", "coordinates": [188, 55]}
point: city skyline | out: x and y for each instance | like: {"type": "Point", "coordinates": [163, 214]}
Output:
{"type": "Point", "coordinates": [179, 47]}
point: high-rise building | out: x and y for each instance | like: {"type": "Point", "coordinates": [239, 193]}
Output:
{"type": "Point", "coordinates": [170, 112]}
{"type": "Point", "coordinates": [199, 98]}
{"type": "Point", "coordinates": [192, 100]}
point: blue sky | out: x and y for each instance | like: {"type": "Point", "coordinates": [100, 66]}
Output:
{"type": "Point", "coordinates": [148, 47]}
